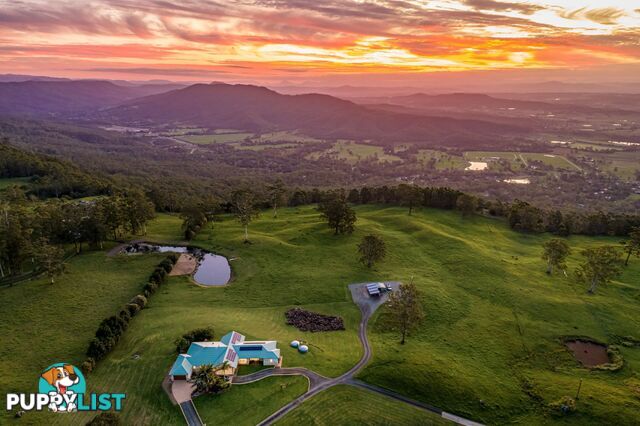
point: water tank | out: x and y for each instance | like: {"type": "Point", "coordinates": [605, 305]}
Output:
{"type": "Point", "coordinates": [295, 343]}
{"type": "Point", "coordinates": [303, 348]}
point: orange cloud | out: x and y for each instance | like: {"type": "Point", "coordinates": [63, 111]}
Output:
{"type": "Point", "coordinates": [272, 38]}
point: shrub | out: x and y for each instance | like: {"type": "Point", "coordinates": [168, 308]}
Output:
{"type": "Point", "coordinates": [104, 332]}
{"type": "Point", "coordinates": [88, 365]}
{"type": "Point", "coordinates": [105, 419]}
{"type": "Point", "coordinates": [167, 265]}
{"type": "Point", "coordinates": [133, 309]}
{"type": "Point", "coordinates": [125, 315]}
{"type": "Point", "coordinates": [158, 276]}
{"type": "Point", "coordinates": [182, 345]}
{"type": "Point", "coordinates": [150, 288]}
{"type": "Point", "coordinates": [97, 349]}
{"type": "Point", "coordinates": [564, 406]}
{"type": "Point", "coordinates": [173, 258]}
{"type": "Point", "coordinates": [196, 335]}
{"type": "Point", "coordinates": [139, 300]}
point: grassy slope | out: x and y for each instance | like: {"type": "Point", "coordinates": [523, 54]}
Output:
{"type": "Point", "coordinates": [247, 404]}
{"type": "Point", "coordinates": [43, 323]}
{"type": "Point", "coordinates": [477, 297]}
{"type": "Point", "coordinates": [468, 349]}
{"type": "Point", "coordinates": [353, 406]}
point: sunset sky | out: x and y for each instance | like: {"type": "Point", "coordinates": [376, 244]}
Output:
{"type": "Point", "coordinates": [306, 41]}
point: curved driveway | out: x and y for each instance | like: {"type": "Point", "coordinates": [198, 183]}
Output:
{"type": "Point", "coordinates": [318, 383]}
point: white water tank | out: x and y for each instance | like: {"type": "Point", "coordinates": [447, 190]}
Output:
{"type": "Point", "coordinates": [295, 343]}
{"type": "Point", "coordinates": [303, 349]}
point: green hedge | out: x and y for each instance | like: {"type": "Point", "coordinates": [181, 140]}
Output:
{"type": "Point", "coordinates": [111, 329]}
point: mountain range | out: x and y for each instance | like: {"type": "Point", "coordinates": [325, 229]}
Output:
{"type": "Point", "coordinates": [63, 97]}
{"type": "Point", "coordinates": [258, 109]}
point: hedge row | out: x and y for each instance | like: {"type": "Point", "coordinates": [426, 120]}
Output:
{"type": "Point", "coordinates": [111, 329]}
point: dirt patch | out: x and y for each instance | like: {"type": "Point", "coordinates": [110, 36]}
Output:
{"type": "Point", "coordinates": [312, 321]}
{"type": "Point", "coordinates": [185, 265]}
{"type": "Point", "coordinates": [589, 354]}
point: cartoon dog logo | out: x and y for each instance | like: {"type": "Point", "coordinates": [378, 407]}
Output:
{"type": "Point", "coordinates": [61, 377]}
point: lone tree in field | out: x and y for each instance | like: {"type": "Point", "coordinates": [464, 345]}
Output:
{"type": "Point", "coordinates": [372, 249]}
{"type": "Point", "coordinates": [600, 266]}
{"type": "Point", "coordinates": [555, 253]}
{"type": "Point", "coordinates": [339, 215]}
{"type": "Point", "coordinates": [207, 381]}
{"type": "Point", "coordinates": [50, 258]}
{"type": "Point", "coordinates": [467, 204]}
{"type": "Point", "coordinates": [632, 246]}
{"type": "Point", "coordinates": [275, 192]}
{"type": "Point", "coordinates": [406, 309]}
{"type": "Point", "coordinates": [244, 209]}
{"type": "Point", "coordinates": [410, 196]}
{"type": "Point", "coordinates": [193, 219]}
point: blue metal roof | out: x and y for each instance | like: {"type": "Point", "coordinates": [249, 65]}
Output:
{"type": "Point", "coordinates": [182, 366]}
{"type": "Point", "coordinates": [201, 355]}
{"type": "Point", "coordinates": [230, 348]}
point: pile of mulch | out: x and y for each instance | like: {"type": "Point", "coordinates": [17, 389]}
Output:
{"type": "Point", "coordinates": [313, 321]}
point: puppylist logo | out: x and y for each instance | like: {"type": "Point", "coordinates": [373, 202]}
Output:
{"type": "Point", "coordinates": [62, 388]}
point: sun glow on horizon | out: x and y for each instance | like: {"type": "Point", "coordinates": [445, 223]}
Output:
{"type": "Point", "coordinates": [290, 39]}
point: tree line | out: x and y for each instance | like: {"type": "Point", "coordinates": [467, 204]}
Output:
{"type": "Point", "coordinates": [599, 265]}
{"type": "Point", "coordinates": [35, 232]}
{"type": "Point", "coordinates": [50, 177]}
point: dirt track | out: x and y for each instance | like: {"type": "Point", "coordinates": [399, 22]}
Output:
{"type": "Point", "coordinates": [185, 265]}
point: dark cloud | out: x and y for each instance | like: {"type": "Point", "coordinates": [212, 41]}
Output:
{"type": "Point", "coordinates": [158, 71]}
{"type": "Point", "coordinates": [76, 18]}
{"type": "Point", "coordinates": [500, 6]}
{"type": "Point", "coordinates": [605, 16]}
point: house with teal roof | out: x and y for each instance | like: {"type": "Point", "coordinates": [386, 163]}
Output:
{"type": "Point", "coordinates": [231, 351]}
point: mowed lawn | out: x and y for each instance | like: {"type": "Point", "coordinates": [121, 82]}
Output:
{"type": "Point", "coordinates": [345, 405]}
{"type": "Point", "coordinates": [246, 405]}
{"type": "Point", "coordinates": [488, 347]}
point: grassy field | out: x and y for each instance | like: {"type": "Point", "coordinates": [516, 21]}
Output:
{"type": "Point", "coordinates": [234, 137]}
{"type": "Point", "coordinates": [216, 138]}
{"type": "Point", "coordinates": [488, 349]}
{"type": "Point", "coordinates": [43, 323]}
{"type": "Point", "coordinates": [247, 405]}
{"type": "Point", "coordinates": [263, 146]}
{"type": "Point", "coordinates": [354, 406]}
{"type": "Point", "coordinates": [284, 137]}
{"type": "Point", "coordinates": [353, 152]}
{"type": "Point", "coordinates": [443, 161]}
{"type": "Point", "coordinates": [519, 159]}
{"type": "Point", "coordinates": [623, 164]}
{"type": "Point", "coordinates": [554, 160]}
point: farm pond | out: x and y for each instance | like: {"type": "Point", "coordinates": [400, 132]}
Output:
{"type": "Point", "coordinates": [589, 354]}
{"type": "Point", "coordinates": [211, 269]}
